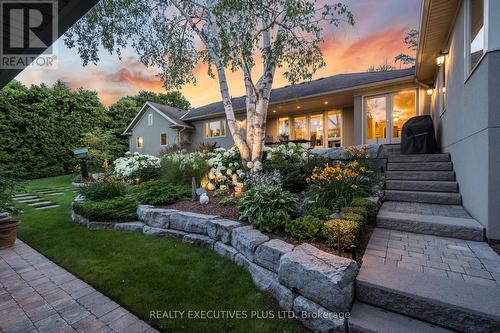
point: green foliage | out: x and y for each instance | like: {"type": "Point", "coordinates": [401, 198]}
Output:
{"type": "Point", "coordinates": [104, 189]}
{"type": "Point", "coordinates": [259, 201]}
{"type": "Point", "coordinates": [320, 213]}
{"type": "Point", "coordinates": [332, 187]}
{"type": "Point", "coordinates": [306, 227]}
{"type": "Point", "coordinates": [179, 169]}
{"type": "Point", "coordinates": [294, 164]}
{"type": "Point", "coordinates": [341, 233]}
{"type": "Point", "coordinates": [8, 188]}
{"type": "Point", "coordinates": [271, 221]}
{"type": "Point", "coordinates": [228, 200]}
{"type": "Point", "coordinates": [219, 193]}
{"type": "Point", "coordinates": [119, 209]}
{"type": "Point", "coordinates": [157, 192]}
{"type": "Point", "coordinates": [370, 206]}
{"type": "Point", "coordinates": [357, 210]}
{"type": "Point", "coordinates": [103, 148]}
{"type": "Point", "coordinates": [40, 126]}
{"type": "Point", "coordinates": [353, 217]}
{"type": "Point", "coordinates": [411, 41]}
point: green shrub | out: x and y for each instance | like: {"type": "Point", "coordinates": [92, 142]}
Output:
{"type": "Point", "coordinates": [294, 163]}
{"type": "Point", "coordinates": [157, 192]}
{"type": "Point", "coordinates": [335, 186]}
{"type": "Point", "coordinates": [180, 168]}
{"type": "Point", "coordinates": [306, 228]}
{"type": "Point", "coordinates": [228, 200]}
{"type": "Point", "coordinates": [354, 217]}
{"type": "Point", "coordinates": [219, 193]}
{"type": "Point", "coordinates": [341, 233]}
{"type": "Point", "coordinates": [260, 200]}
{"type": "Point", "coordinates": [271, 221]}
{"type": "Point", "coordinates": [103, 189]}
{"type": "Point", "coordinates": [320, 213]}
{"type": "Point", "coordinates": [120, 209]}
{"type": "Point", "coordinates": [357, 210]}
{"type": "Point", "coordinates": [371, 207]}
{"type": "Point", "coordinates": [8, 188]}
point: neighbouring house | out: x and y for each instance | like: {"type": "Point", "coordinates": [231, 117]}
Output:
{"type": "Point", "coordinates": [456, 80]}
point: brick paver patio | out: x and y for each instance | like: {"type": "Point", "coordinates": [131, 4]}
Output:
{"type": "Point", "coordinates": [452, 258]}
{"type": "Point", "coordinates": [36, 295]}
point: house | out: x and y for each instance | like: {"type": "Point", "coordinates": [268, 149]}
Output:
{"type": "Point", "coordinates": [456, 80]}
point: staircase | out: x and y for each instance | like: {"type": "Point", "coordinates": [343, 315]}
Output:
{"type": "Point", "coordinates": [421, 195]}
{"type": "Point", "coordinates": [426, 268]}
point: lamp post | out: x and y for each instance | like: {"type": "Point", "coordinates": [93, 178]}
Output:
{"type": "Point", "coordinates": [82, 154]}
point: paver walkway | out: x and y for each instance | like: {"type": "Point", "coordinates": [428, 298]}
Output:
{"type": "Point", "coordinates": [36, 295]}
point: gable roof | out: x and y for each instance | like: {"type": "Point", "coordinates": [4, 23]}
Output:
{"type": "Point", "coordinates": [321, 86]}
{"type": "Point", "coordinates": [172, 114]}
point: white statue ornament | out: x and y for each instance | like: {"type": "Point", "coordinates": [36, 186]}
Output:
{"type": "Point", "coordinates": [204, 199]}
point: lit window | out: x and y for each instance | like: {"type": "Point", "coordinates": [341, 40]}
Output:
{"type": "Point", "coordinates": [475, 36]}
{"type": "Point", "coordinates": [300, 128]}
{"type": "Point", "coordinates": [316, 130]}
{"type": "Point", "coordinates": [139, 143]}
{"type": "Point", "coordinates": [150, 119]}
{"type": "Point", "coordinates": [334, 129]}
{"type": "Point", "coordinates": [163, 139]}
{"type": "Point", "coordinates": [283, 129]}
{"type": "Point", "coordinates": [214, 129]}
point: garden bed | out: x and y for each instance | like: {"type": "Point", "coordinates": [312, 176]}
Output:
{"type": "Point", "coordinates": [214, 207]}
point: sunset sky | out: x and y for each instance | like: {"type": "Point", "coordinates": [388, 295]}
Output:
{"type": "Point", "coordinates": [377, 36]}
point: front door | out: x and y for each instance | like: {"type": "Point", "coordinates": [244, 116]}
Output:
{"type": "Point", "coordinates": [385, 116]}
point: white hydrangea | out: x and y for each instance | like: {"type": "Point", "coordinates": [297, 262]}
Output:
{"type": "Point", "coordinates": [131, 163]}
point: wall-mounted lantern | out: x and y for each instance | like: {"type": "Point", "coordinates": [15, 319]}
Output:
{"type": "Point", "coordinates": [440, 60]}
{"type": "Point", "coordinates": [429, 92]}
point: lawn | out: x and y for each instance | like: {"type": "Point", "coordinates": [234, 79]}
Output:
{"type": "Point", "coordinates": [147, 274]}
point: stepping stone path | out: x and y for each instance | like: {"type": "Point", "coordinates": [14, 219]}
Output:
{"type": "Point", "coordinates": [36, 295]}
{"type": "Point", "coordinates": [34, 200]}
{"type": "Point", "coordinates": [426, 267]}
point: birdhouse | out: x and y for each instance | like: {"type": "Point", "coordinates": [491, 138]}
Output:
{"type": "Point", "coordinates": [81, 153]}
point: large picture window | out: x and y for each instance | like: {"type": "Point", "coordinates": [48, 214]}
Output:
{"type": "Point", "coordinates": [334, 129]}
{"type": "Point", "coordinates": [214, 129]}
{"type": "Point", "coordinates": [300, 128]}
{"type": "Point", "coordinates": [316, 130]}
{"type": "Point", "coordinates": [474, 34]}
{"type": "Point", "coordinates": [284, 129]}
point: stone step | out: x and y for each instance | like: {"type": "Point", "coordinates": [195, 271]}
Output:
{"type": "Point", "coordinates": [54, 193]}
{"type": "Point", "coordinates": [28, 201]}
{"type": "Point", "coordinates": [40, 203]}
{"type": "Point", "coordinates": [369, 319]}
{"type": "Point", "coordinates": [422, 185]}
{"type": "Point", "coordinates": [47, 207]}
{"type": "Point", "coordinates": [443, 198]}
{"type": "Point", "coordinates": [26, 197]}
{"type": "Point", "coordinates": [420, 158]}
{"type": "Point", "coordinates": [420, 166]}
{"type": "Point", "coordinates": [454, 304]}
{"type": "Point", "coordinates": [447, 226]}
{"type": "Point", "coordinates": [421, 175]}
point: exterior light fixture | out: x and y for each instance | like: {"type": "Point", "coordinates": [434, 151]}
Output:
{"type": "Point", "coordinates": [274, 111]}
{"type": "Point", "coordinates": [325, 102]}
{"type": "Point", "coordinates": [298, 106]}
{"type": "Point", "coordinates": [440, 60]}
{"type": "Point", "coordinates": [429, 92]}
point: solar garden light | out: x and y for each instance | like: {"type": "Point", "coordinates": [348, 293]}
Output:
{"type": "Point", "coordinates": [82, 154]}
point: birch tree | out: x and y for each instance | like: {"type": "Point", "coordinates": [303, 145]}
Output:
{"type": "Point", "coordinates": [255, 37]}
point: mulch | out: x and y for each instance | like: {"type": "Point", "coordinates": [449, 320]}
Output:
{"type": "Point", "coordinates": [232, 213]}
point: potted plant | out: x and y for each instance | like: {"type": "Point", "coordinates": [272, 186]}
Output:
{"type": "Point", "coordinates": [8, 227]}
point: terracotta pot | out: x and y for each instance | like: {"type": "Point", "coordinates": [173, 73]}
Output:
{"type": "Point", "coordinates": [8, 233]}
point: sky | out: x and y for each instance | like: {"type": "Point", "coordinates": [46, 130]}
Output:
{"type": "Point", "coordinates": [377, 37]}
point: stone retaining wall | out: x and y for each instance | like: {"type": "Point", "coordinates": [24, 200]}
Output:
{"type": "Point", "coordinates": [317, 286]}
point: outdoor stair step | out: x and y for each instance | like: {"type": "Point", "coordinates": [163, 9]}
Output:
{"type": "Point", "coordinates": [422, 185]}
{"type": "Point", "coordinates": [22, 195]}
{"type": "Point", "coordinates": [46, 207]}
{"type": "Point", "coordinates": [365, 318]}
{"type": "Point", "coordinates": [419, 158]}
{"type": "Point", "coordinates": [28, 201]}
{"type": "Point", "coordinates": [40, 203]}
{"type": "Point", "coordinates": [421, 175]}
{"type": "Point", "coordinates": [27, 197]}
{"type": "Point", "coordinates": [444, 198]}
{"type": "Point", "coordinates": [446, 226]}
{"type": "Point", "coordinates": [420, 166]}
{"type": "Point", "coordinates": [451, 303]}
{"type": "Point", "coordinates": [55, 193]}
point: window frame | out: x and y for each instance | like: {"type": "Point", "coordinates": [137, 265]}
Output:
{"type": "Point", "coordinates": [206, 129]}
{"type": "Point", "coordinates": [150, 119]}
{"type": "Point", "coordinates": [141, 145]}
{"type": "Point", "coordinates": [468, 71]}
{"type": "Point", "coordinates": [161, 139]}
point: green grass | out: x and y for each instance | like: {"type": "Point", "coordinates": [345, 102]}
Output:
{"type": "Point", "coordinates": [146, 274]}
